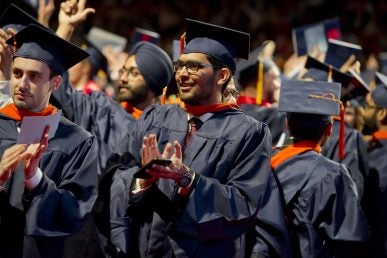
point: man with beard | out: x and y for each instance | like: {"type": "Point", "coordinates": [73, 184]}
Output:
{"type": "Point", "coordinates": [218, 183]}
{"type": "Point", "coordinates": [145, 73]}
{"type": "Point", "coordinates": [375, 199]}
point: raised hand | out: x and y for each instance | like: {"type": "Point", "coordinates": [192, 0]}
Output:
{"type": "Point", "coordinates": [45, 11]}
{"type": "Point", "coordinates": [10, 161]}
{"type": "Point", "coordinates": [34, 154]}
{"type": "Point", "coordinates": [71, 14]}
{"type": "Point", "coordinates": [6, 53]}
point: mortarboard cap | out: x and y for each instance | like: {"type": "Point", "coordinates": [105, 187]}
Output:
{"type": "Point", "coordinates": [145, 35]}
{"type": "Point", "coordinates": [38, 43]}
{"type": "Point", "coordinates": [102, 38]}
{"type": "Point", "coordinates": [97, 59]}
{"type": "Point", "coordinates": [219, 42]}
{"type": "Point", "coordinates": [352, 85]}
{"type": "Point", "coordinates": [311, 97]}
{"type": "Point", "coordinates": [339, 52]}
{"type": "Point", "coordinates": [16, 18]}
{"type": "Point", "coordinates": [379, 94]}
{"type": "Point", "coordinates": [305, 38]}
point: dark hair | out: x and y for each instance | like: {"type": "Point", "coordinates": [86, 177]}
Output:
{"type": "Point", "coordinates": [217, 64]}
{"type": "Point", "coordinates": [308, 127]}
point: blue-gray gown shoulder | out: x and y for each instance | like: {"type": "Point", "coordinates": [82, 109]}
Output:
{"type": "Point", "coordinates": [324, 213]}
{"type": "Point", "coordinates": [375, 197]}
{"type": "Point", "coordinates": [270, 116]}
{"type": "Point", "coordinates": [61, 202]}
{"type": "Point", "coordinates": [356, 157]}
{"type": "Point", "coordinates": [230, 154]}
{"type": "Point", "coordinates": [100, 115]}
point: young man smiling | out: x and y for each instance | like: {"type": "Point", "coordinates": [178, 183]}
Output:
{"type": "Point", "coordinates": [219, 181]}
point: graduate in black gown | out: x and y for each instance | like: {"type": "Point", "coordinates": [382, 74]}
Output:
{"type": "Point", "coordinates": [219, 182]}
{"type": "Point", "coordinates": [354, 148]}
{"type": "Point", "coordinates": [268, 82]}
{"type": "Point", "coordinates": [375, 200]}
{"type": "Point", "coordinates": [48, 189]}
{"type": "Point", "coordinates": [146, 71]}
{"type": "Point", "coordinates": [322, 208]}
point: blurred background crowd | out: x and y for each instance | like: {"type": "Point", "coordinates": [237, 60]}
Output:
{"type": "Point", "coordinates": [362, 21]}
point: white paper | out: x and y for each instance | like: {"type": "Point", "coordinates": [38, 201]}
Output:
{"type": "Point", "coordinates": [32, 127]}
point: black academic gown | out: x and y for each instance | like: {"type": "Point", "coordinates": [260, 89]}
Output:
{"type": "Point", "coordinates": [98, 114]}
{"type": "Point", "coordinates": [230, 155]}
{"type": "Point", "coordinates": [270, 116]}
{"type": "Point", "coordinates": [323, 212]}
{"type": "Point", "coordinates": [35, 224]}
{"type": "Point", "coordinates": [375, 198]}
{"type": "Point", "coordinates": [356, 157]}
{"type": "Point", "coordinates": [109, 123]}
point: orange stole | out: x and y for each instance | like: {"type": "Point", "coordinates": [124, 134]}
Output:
{"type": "Point", "coordinates": [135, 112]}
{"type": "Point", "coordinates": [200, 110]}
{"type": "Point", "coordinates": [379, 135]}
{"type": "Point", "coordinates": [292, 151]}
{"type": "Point", "coordinates": [18, 114]}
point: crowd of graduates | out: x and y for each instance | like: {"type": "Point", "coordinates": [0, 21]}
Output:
{"type": "Point", "coordinates": [264, 160]}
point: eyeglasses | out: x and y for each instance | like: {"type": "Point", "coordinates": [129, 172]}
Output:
{"type": "Point", "coordinates": [133, 72]}
{"type": "Point", "coordinates": [191, 66]}
{"type": "Point", "coordinates": [230, 92]}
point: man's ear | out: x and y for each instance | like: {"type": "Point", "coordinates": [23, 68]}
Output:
{"type": "Point", "coordinates": [329, 129]}
{"type": "Point", "coordinates": [55, 82]}
{"type": "Point", "coordinates": [224, 75]}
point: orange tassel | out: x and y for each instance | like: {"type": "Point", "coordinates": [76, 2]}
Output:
{"type": "Point", "coordinates": [258, 99]}
{"type": "Point", "coordinates": [182, 43]}
{"type": "Point", "coordinates": [163, 98]}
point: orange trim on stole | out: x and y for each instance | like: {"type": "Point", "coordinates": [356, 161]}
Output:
{"type": "Point", "coordinates": [292, 151]}
{"type": "Point", "coordinates": [18, 114]}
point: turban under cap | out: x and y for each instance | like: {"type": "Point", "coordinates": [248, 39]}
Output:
{"type": "Point", "coordinates": [154, 64]}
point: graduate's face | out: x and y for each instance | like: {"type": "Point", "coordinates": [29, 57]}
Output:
{"type": "Point", "coordinates": [132, 87]}
{"type": "Point", "coordinates": [31, 84]}
{"type": "Point", "coordinates": [198, 88]}
{"type": "Point", "coordinates": [370, 110]}
{"type": "Point", "coordinates": [272, 84]}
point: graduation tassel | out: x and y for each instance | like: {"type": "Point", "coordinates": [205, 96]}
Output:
{"type": "Point", "coordinates": [342, 131]}
{"type": "Point", "coordinates": [330, 74]}
{"type": "Point", "coordinates": [14, 46]}
{"type": "Point", "coordinates": [163, 99]}
{"type": "Point", "coordinates": [182, 43]}
{"type": "Point", "coordinates": [258, 98]}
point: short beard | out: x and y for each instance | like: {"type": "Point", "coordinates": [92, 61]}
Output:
{"type": "Point", "coordinates": [134, 97]}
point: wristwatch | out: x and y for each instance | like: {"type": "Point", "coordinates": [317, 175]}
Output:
{"type": "Point", "coordinates": [185, 179]}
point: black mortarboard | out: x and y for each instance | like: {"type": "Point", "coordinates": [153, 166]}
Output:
{"type": "Point", "coordinates": [352, 85]}
{"type": "Point", "coordinates": [145, 35]}
{"type": "Point", "coordinates": [379, 94]}
{"type": "Point", "coordinates": [38, 43]}
{"type": "Point", "coordinates": [219, 42]}
{"type": "Point", "coordinates": [247, 70]}
{"type": "Point", "coordinates": [311, 97]}
{"type": "Point", "coordinates": [16, 18]}
{"type": "Point", "coordinates": [339, 52]}
{"type": "Point", "coordinates": [97, 59]}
